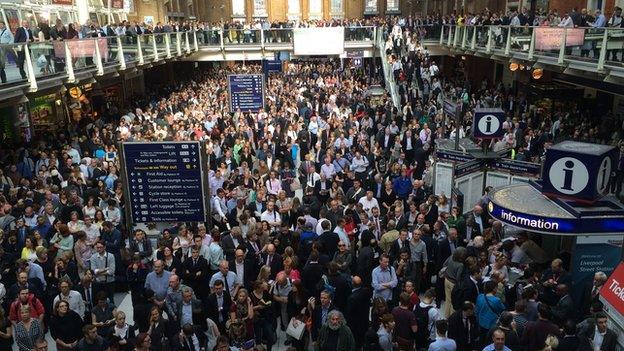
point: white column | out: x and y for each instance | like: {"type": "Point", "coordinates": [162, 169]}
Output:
{"type": "Point", "coordinates": [83, 11]}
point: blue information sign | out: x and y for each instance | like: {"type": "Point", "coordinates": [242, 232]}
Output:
{"type": "Point", "coordinates": [246, 92]}
{"type": "Point", "coordinates": [164, 181]}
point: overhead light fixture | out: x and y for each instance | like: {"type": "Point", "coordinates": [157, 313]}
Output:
{"type": "Point", "coordinates": [537, 73]}
{"type": "Point", "coordinates": [513, 66]}
{"type": "Point", "coordinates": [62, 89]}
{"type": "Point", "coordinates": [521, 66]}
{"type": "Point", "coordinates": [23, 99]}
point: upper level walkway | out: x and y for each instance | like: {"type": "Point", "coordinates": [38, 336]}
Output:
{"type": "Point", "coordinates": [593, 52]}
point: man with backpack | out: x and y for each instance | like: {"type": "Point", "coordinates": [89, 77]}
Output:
{"type": "Point", "coordinates": [426, 314]}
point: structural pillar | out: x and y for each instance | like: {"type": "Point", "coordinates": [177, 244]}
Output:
{"type": "Point", "coordinates": [83, 11]}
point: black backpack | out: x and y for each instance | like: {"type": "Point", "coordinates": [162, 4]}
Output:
{"type": "Point", "coordinates": [371, 340]}
{"type": "Point", "coordinates": [422, 321]}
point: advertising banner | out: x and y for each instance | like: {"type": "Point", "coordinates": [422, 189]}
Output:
{"type": "Point", "coordinates": [547, 38]}
{"type": "Point", "coordinates": [613, 290]}
{"type": "Point", "coordinates": [81, 48]}
{"type": "Point", "coordinates": [593, 254]}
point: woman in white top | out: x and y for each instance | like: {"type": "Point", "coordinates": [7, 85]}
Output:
{"type": "Point", "coordinates": [89, 209]}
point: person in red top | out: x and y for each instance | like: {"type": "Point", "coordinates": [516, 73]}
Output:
{"type": "Point", "coordinates": [413, 295]}
{"type": "Point", "coordinates": [26, 298]}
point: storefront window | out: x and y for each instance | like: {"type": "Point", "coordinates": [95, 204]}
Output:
{"type": "Point", "coordinates": [260, 8]}
{"type": "Point", "coordinates": [238, 8]}
{"type": "Point", "coordinates": [392, 6]}
{"type": "Point", "coordinates": [316, 9]}
{"type": "Point", "coordinates": [337, 8]}
{"type": "Point", "coordinates": [370, 7]}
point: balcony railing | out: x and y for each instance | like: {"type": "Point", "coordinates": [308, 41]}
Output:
{"type": "Point", "coordinates": [594, 48]}
{"type": "Point", "coordinates": [591, 49]}
{"type": "Point", "coordinates": [31, 63]}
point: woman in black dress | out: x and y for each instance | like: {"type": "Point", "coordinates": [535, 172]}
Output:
{"type": "Point", "coordinates": [6, 332]}
{"type": "Point", "coordinates": [65, 326]}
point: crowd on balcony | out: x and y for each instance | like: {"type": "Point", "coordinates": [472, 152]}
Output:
{"type": "Point", "coordinates": [323, 218]}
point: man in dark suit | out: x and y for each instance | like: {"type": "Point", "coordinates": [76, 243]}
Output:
{"type": "Point", "coordinates": [218, 305]}
{"type": "Point", "coordinates": [446, 247]}
{"type": "Point", "coordinates": [463, 327]}
{"type": "Point", "coordinates": [471, 287]}
{"type": "Point", "coordinates": [195, 269]}
{"type": "Point", "coordinates": [321, 188]}
{"type": "Point", "coordinates": [551, 278]}
{"type": "Point", "coordinates": [591, 292]}
{"type": "Point", "coordinates": [400, 219]}
{"type": "Point", "coordinates": [328, 239]}
{"type": "Point", "coordinates": [190, 338]}
{"type": "Point", "coordinates": [23, 34]}
{"type": "Point", "coordinates": [311, 274]}
{"type": "Point", "coordinates": [86, 289]}
{"type": "Point", "coordinates": [564, 309]}
{"type": "Point", "coordinates": [229, 242]}
{"type": "Point", "coordinates": [480, 218]}
{"type": "Point", "coordinates": [189, 310]}
{"type": "Point", "coordinates": [273, 260]}
{"type": "Point", "coordinates": [244, 269]}
{"type": "Point", "coordinates": [356, 313]}
{"type": "Point", "coordinates": [588, 333]}
{"type": "Point", "coordinates": [320, 312]}
{"type": "Point", "coordinates": [397, 245]}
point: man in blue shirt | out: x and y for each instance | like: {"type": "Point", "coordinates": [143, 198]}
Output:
{"type": "Point", "coordinates": [442, 343]}
{"type": "Point", "coordinates": [384, 279]}
{"type": "Point", "coordinates": [158, 282]}
{"type": "Point", "coordinates": [498, 342]}
{"type": "Point", "coordinates": [402, 186]}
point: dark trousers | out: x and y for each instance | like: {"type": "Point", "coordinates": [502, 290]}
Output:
{"type": "Point", "coordinates": [21, 57]}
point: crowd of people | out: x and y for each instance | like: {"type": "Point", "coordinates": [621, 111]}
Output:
{"type": "Point", "coordinates": [323, 223]}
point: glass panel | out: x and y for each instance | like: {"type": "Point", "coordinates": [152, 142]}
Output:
{"type": "Point", "coordinates": [11, 60]}
{"type": "Point", "coordinates": [482, 37]}
{"type": "Point", "coordinates": [173, 43]}
{"type": "Point", "coordinates": [147, 47]}
{"type": "Point", "coordinates": [615, 45]}
{"type": "Point", "coordinates": [82, 51]}
{"type": "Point", "coordinates": [521, 39]}
{"type": "Point", "coordinates": [110, 56]}
{"type": "Point", "coordinates": [359, 33]}
{"type": "Point", "coordinates": [336, 8]}
{"type": "Point", "coordinates": [130, 49]}
{"type": "Point", "coordinates": [244, 35]}
{"type": "Point", "coordinates": [294, 9]}
{"type": "Point", "coordinates": [161, 46]}
{"type": "Point", "coordinates": [315, 10]}
{"type": "Point", "coordinates": [499, 37]}
{"type": "Point", "coordinates": [260, 8]}
{"type": "Point", "coordinates": [238, 8]}
{"type": "Point", "coordinates": [370, 7]}
{"type": "Point", "coordinates": [392, 6]}
{"type": "Point", "coordinates": [278, 35]}
{"type": "Point", "coordinates": [209, 36]}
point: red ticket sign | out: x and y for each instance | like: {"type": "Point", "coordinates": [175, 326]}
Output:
{"type": "Point", "coordinates": [613, 290]}
{"type": "Point", "coordinates": [81, 48]}
{"type": "Point", "coordinates": [547, 38]}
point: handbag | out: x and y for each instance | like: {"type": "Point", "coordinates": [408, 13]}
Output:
{"type": "Point", "coordinates": [295, 184]}
{"type": "Point", "coordinates": [296, 331]}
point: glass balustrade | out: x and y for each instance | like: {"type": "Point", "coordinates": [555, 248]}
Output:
{"type": "Point", "coordinates": [278, 36]}
{"type": "Point", "coordinates": [12, 63]}
{"type": "Point", "coordinates": [596, 46]}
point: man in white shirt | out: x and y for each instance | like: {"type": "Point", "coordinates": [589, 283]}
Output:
{"type": "Point", "coordinates": [73, 297]}
{"type": "Point", "coordinates": [328, 168]}
{"type": "Point", "coordinates": [368, 202]}
{"type": "Point", "coordinates": [271, 216]}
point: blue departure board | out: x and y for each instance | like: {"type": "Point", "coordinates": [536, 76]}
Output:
{"type": "Point", "coordinates": [246, 92]}
{"type": "Point", "coordinates": [164, 181]}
